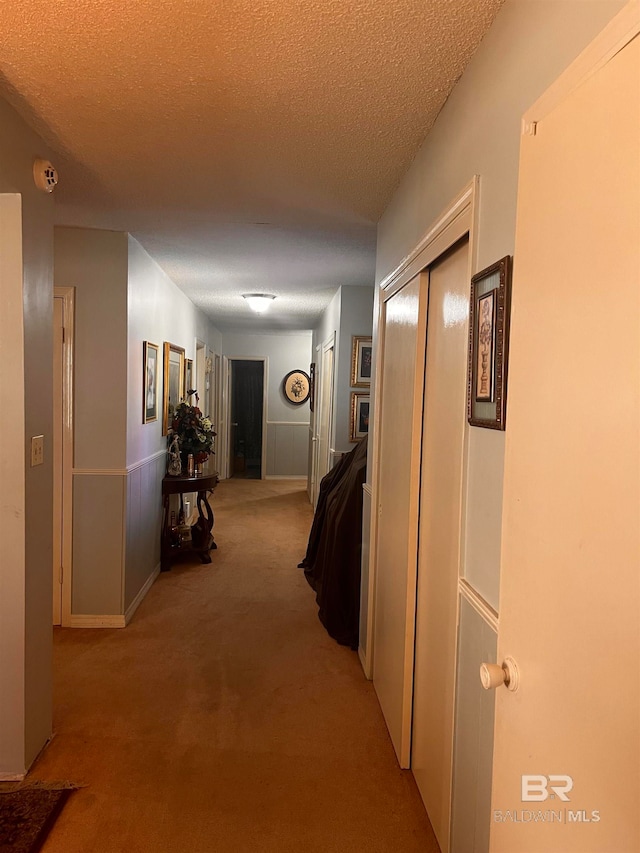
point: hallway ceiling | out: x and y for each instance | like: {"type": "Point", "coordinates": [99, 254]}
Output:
{"type": "Point", "coordinates": [250, 145]}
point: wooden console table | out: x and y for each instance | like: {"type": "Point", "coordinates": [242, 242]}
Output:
{"type": "Point", "coordinates": [200, 538]}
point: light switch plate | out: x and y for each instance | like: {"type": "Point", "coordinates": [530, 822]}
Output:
{"type": "Point", "coordinates": [37, 450]}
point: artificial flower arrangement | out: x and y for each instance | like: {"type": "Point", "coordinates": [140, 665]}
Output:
{"type": "Point", "coordinates": [194, 431]}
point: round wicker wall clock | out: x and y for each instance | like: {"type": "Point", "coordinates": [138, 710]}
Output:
{"type": "Point", "coordinates": [296, 386]}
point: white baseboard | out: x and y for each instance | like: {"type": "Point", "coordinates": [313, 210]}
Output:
{"type": "Point", "coordinates": [18, 777]}
{"type": "Point", "coordinates": [78, 620]}
{"type": "Point", "coordinates": [12, 777]}
{"type": "Point", "coordinates": [137, 601]}
{"type": "Point", "coordinates": [82, 621]}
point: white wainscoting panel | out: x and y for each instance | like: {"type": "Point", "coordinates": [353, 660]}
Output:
{"type": "Point", "coordinates": [117, 516]}
{"type": "Point", "coordinates": [287, 449]}
{"type": "Point", "coordinates": [143, 524]}
{"type": "Point", "coordinates": [473, 746]}
{"type": "Point", "coordinates": [98, 540]}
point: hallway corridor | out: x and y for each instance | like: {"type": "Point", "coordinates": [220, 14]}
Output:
{"type": "Point", "coordinates": [224, 719]}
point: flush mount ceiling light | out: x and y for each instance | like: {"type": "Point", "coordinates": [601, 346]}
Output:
{"type": "Point", "coordinates": [258, 302]}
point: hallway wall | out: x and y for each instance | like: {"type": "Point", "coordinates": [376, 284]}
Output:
{"type": "Point", "coordinates": [287, 424]}
{"type": "Point", "coordinates": [157, 311]}
{"type": "Point", "coordinates": [478, 133]}
{"type": "Point", "coordinates": [349, 313]}
{"type": "Point", "coordinates": [122, 299]}
{"type": "Point", "coordinates": [95, 264]}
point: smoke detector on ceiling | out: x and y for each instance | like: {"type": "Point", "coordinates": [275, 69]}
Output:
{"type": "Point", "coordinates": [45, 175]}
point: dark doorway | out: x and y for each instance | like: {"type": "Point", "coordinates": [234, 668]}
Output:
{"type": "Point", "coordinates": [247, 393]}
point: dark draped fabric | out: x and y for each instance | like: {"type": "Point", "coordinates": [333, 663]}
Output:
{"type": "Point", "coordinates": [332, 562]}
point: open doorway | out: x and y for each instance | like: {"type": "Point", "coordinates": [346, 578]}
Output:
{"type": "Point", "coordinates": [247, 415]}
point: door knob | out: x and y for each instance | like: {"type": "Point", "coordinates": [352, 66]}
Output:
{"type": "Point", "coordinates": [234, 424]}
{"type": "Point", "coordinates": [492, 675]}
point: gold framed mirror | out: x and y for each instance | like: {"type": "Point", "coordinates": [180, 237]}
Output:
{"type": "Point", "coordinates": [173, 387]}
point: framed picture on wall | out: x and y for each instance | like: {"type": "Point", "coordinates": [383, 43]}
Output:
{"type": "Point", "coordinates": [360, 361]}
{"type": "Point", "coordinates": [296, 387]}
{"type": "Point", "coordinates": [489, 345]}
{"type": "Point", "coordinates": [312, 386]}
{"type": "Point", "coordinates": [173, 385]}
{"type": "Point", "coordinates": [359, 416]}
{"type": "Point", "coordinates": [188, 375]}
{"type": "Point", "coordinates": [149, 382]}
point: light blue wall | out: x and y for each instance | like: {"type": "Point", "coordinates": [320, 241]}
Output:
{"type": "Point", "coordinates": [349, 313]}
{"type": "Point", "coordinates": [284, 351]}
{"type": "Point", "coordinates": [356, 318]}
{"type": "Point", "coordinates": [157, 311]}
{"type": "Point", "coordinates": [287, 424]}
{"type": "Point", "coordinates": [478, 132]}
{"type": "Point", "coordinates": [122, 299]}
{"type": "Point", "coordinates": [95, 263]}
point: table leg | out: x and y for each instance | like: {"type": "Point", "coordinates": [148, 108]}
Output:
{"type": "Point", "coordinates": [165, 549]}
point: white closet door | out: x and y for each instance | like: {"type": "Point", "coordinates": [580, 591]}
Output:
{"type": "Point", "coordinates": [443, 432]}
{"type": "Point", "coordinates": [401, 386]}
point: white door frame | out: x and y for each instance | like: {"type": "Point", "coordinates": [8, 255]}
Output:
{"type": "Point", "coordinates": [328, 344]}
{"type": "Point", "coordinates": [455, 223]}
{"type": "Point", "coordinates": [217, 390]}
{"type": "Point", "coordinates": [223, 417]}
{"type": "Point", "coordinates": [313, 429]}
{"type": "Point", "coordinates": [212, 382]}
{"type": "Point", "coordinates": [12, 470]}
{"type": "Point", "coordinates": [67, 294]}
{"type": "Point", "coordinates": [226, 410]}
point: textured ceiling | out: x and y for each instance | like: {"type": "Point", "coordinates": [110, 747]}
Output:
{"type": "Point", "coordinates": [249, 145]}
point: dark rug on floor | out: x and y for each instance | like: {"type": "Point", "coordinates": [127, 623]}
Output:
{"type": "Point", "coordinates": [26, 817]}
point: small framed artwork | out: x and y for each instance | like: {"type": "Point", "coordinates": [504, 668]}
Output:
{"type": "Point", "coordinates": [173, 389]}
{"type": "Point", "coordinates": [149, 382]}
{"type": "Point", "coordinates": [312, 386]}
{"type": "Point", "coordinates": [489, 345]}
{"type": "Point", "coordinates": [359, 415]}
{"type": "Point", "coordinates": [360, 361]}
{"type": "Point", "coordinates": [188, 375]}
{"type": "Point", "coordinates": [296, 387]}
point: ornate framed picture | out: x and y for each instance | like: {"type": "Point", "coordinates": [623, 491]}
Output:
{"type": "Point", "coordinates": [173, 391]}
{"type": "Point", "coordinates": [489, 345]}
{"type": "Point", "coordinates": [360, 361]}
{"type": "Point", "coordinates": [188, 375]}
{"type": "Point", "coordinates": [149, 382]}
{"type": "Point", "coordinates": [359, 416]}
{"type": "Point", "coordinates": [296, 386]}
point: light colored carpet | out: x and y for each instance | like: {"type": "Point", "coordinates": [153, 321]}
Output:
{"type": "Point", "coordinates": [224, 719]}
